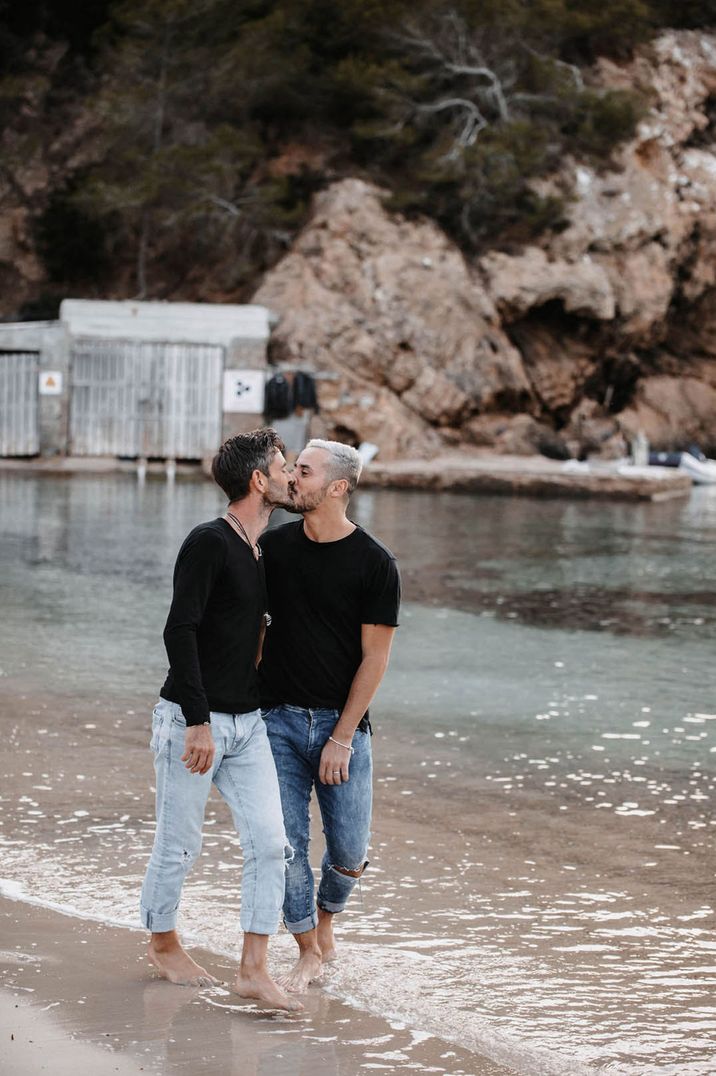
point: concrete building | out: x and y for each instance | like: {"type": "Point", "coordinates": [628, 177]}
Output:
{"type": "Point", "coordinates": [134, 380]}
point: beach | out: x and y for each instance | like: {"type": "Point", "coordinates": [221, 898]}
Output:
{"type": "Point", "coordinates": [95, 1004]}
{"type": "Point", "coordinates": [539, 896]}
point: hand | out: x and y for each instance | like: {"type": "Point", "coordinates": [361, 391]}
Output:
{"type": "Point", "coordinates": [199, 748]}
{"type": "Point", "coordinates": [334, 764]}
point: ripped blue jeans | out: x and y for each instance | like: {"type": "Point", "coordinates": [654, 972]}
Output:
{"type": "Point", "coordinates": [245, 775]}
{"type": "Point", "coordinates": [297, 738]}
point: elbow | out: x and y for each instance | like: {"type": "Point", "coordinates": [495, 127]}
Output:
{"type": "Point", "coordinates": [175, 632]}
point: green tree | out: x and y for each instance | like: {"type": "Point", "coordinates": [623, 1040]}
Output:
{"type": "Point", "coordinates": [183, 165]}
{"type": "Point", "coordinates": [478, 102]}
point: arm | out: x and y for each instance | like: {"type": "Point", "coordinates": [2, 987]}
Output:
{"type": "Point", "coordinates": [198, 565]}
{"type": "Point", "coordinates": [260, 647]}
{"type": "Point", "coordinates": [376, 641]}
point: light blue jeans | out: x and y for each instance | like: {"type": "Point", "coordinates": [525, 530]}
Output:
{"type": "Point", "coordinates": [297, 738]}
{"type": "Point", "coordinates": [245, 775]}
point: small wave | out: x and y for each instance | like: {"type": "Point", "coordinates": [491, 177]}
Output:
{"type": "Point", "coordinates": [519, 1010]}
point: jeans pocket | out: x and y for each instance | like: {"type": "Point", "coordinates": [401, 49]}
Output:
{"type": "Point", "coordinates": [157, 725]}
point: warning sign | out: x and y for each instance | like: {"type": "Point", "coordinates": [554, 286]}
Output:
{"type": "Point", "coordinates": [50, 383]}
{"type": "Point", "coordinates": [244, 391]}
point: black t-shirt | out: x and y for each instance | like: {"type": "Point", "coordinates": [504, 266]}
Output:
{"type": "Point", "coordinates": [319, 595]}
{"type": "Point", "coordinates": [212, 631]}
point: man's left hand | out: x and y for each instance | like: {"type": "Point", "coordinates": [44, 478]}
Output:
{"type": "Point", "coordinates": [334, 765]}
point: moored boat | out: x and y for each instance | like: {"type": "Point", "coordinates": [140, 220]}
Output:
{"type": "Point", "coordinates": [701, 471]}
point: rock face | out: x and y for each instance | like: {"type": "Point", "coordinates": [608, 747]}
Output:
{"type": "Point", "coordinates": [672, 410]}
{"type": "Point", "coordinates": [391, 309]}
{"type": "Point", "coordinates": [573, 345]}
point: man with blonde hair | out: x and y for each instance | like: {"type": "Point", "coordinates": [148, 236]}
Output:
{"type": "Point", "coordinates": [333, 597]}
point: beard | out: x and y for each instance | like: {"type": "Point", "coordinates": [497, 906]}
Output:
{"type": "Point", "coordinates": [308, 502]}
{"type": "Point", "coordinates": [277, 497]}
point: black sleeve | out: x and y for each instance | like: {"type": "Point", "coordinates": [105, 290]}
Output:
{"type": "Point", "coordinates": [381, 593]}
{"type": "Point", "coordinates": [200, 560]}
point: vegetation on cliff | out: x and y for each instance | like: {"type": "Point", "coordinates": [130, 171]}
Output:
{"type": "Point", "coordinates": [170, 147]}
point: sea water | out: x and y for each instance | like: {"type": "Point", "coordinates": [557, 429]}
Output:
{"type": "Point", "coordinates": [542, 872]}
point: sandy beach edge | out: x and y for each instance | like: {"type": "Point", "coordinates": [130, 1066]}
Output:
{"type": "Point", "coordinates": [78, 993]}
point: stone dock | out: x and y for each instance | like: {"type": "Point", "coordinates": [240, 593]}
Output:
{"type": "Point", "coordinates": [532, 476]}
{"type": "Point", "coordinates": [514, 475]}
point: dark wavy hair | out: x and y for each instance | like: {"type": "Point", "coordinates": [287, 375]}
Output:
{"type": "Point", "coordinates": [240, 456]}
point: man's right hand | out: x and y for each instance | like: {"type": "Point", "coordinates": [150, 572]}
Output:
{"type": "Point", "coordinates": [199, 748]}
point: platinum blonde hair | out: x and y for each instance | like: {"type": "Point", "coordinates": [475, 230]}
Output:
{"type": "Point", "coordinates": [344, 461]}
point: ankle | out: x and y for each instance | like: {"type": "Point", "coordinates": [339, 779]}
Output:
{"type": "Point", "coordinates": [165, 942]}
{"type": "Point", "coordinates": [251, 968]}
{"type": "Point", "coordinates": [308, 943]}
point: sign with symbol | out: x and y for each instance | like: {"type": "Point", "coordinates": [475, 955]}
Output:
{"type": "Point", "coordinates": [50, 383]}
{"type": "Point", "coordinates": [244, 391]}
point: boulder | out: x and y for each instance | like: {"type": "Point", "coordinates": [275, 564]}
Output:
{"type": "Point", "coordinates": [512, 435]}
{"type": "Point", "coordinates": [643, 285]}
{"type": "Point", "coordinates": [672, 412]}
{"type": "Point", "coordinates": [392, 309]}
{"type": "Point", "coordinates": [516, 284]}
{"type": "Point", "coordinates": [592, 431]}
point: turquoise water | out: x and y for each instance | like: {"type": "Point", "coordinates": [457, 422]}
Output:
{"type": "Point", "coordinates": [541, 882]}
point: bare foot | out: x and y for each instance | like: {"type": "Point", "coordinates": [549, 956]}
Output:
{"type": "Point", "coordinates": [259, 986]}
{"type": "Point", "coordinates": [174, 964]}
{"type": "Point", "coordinates": [324, 934]}
{"type": "Point", "coordinates": [305, 970]}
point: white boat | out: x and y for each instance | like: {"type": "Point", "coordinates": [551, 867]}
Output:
{"type": "Point", "coordinates": [702, 472]}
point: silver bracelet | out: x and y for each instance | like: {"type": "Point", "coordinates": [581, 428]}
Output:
{"type": "Point", "coordinates": [346, 745]}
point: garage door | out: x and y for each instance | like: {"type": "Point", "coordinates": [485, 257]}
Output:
{"type": "Point", "coordinates": [130, 398]}
{"type": "Point", "coordinates": [19, 435]}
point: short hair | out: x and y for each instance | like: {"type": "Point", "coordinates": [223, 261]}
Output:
{"type": "Point", "coordinates": [240, 456]}
{"type": "Point", "coordinates": [344, 461]}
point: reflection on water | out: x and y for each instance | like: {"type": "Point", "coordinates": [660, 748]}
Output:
{"type": "Point", "coordinates": [541, 882]}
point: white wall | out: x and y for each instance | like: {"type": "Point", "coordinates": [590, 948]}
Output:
{"type": "Point", "coordinates": [195, 323]}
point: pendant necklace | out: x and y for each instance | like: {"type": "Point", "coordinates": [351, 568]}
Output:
{"type": "Point", "coordinates": [255, 549]}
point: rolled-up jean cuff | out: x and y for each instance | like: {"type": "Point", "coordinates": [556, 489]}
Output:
{"type": "Point", "coordinates": [260, 926]}
{"type": "Point", "coordinates": [303, 925]}
{"type": "Point", "coordinates": [331, 906]}
{"type": "Point", "coordinates": [158, 923]}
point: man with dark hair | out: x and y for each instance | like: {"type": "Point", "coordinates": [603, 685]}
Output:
{"type": "Point", "coordinates": [334, 593]}
{"type": "Point", "coordinates": [207, 725]}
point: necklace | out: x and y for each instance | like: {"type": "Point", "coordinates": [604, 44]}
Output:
{"type": "Point", "coordinates": [255, 549]}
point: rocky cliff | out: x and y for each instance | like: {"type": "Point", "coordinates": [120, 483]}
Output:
{"type": "Point", "coordinates": [568, 347]}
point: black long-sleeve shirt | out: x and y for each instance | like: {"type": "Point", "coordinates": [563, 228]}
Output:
{"type": "Point", "coordinates": [213, 627]}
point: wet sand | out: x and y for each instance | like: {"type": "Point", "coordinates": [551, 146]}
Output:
{"type": "Point", "coordinates": [34, 1042]}
{"type": "Point", "coordinates": [77, 994]}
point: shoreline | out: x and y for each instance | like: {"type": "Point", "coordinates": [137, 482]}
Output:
{"type": "Point", "coordinates": [79, 993]}
{"type": "Point", "coordinates": [533, 476]}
